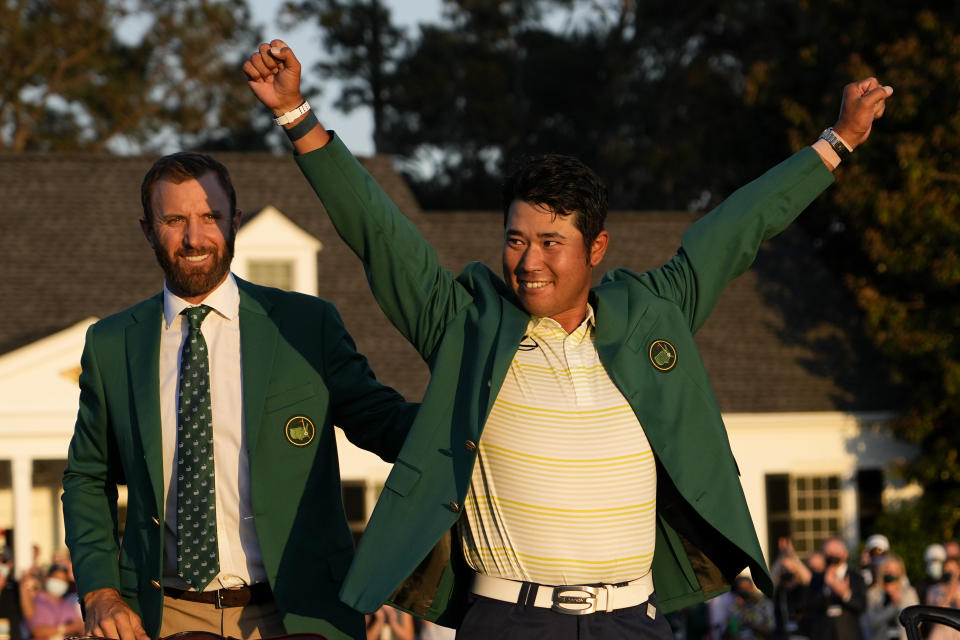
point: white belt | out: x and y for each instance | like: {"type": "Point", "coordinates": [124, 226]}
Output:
{"type": "Point", "coordinates": [572, 599]}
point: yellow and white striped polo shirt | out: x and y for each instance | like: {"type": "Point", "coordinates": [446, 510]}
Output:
{"type": "Point", "coordinates": [564, 488]}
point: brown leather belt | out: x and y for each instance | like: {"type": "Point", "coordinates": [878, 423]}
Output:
{"type": "Point", "coordinates": [222, 598]}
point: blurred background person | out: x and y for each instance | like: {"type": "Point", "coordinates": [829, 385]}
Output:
{"type": "Point", "coordinates": [836, 597]}
{"type": "Point", "coordinates": [388, 623]}
{"type": "Point", "coordinates": [874, 551]}
{"type": "Point", "coordinates": [55, 614]}
{"type": "Point", "coordinates": [945, 593]}
{"type": "Point", "coordinates": [751, 615]}
{"type": "Point", "coordinates": [790, 578]}
{"type": "Point", "coordinates": [890, 593]}
{"type": "Point", "coordinates": [11, 596]}
{"type": "Point", "coordinates": [933, 558]}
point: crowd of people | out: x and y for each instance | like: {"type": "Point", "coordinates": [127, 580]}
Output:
{"type": "Point", "coordinates": [829, 595]}
{"type": "Point", "coordinates": [42, 602]}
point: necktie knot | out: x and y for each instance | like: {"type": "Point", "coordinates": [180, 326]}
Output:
{"type": "Point", "coordinates": [195, 316]}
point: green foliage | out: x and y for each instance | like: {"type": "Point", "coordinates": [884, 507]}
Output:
{"type": "Point", "coordinates": [71, 81]}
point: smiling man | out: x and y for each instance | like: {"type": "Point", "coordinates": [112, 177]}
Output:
{"type": "Point", "coordinates": [568, 474]}
{"type": "Point", "coordinates": [214, 403]}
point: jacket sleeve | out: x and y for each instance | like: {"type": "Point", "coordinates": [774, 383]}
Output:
{"type": "Point", "coordinates": [724, 243]}
{"type": "Point", "coordinates": [90, 484]}
{"type": "Point", "coordinates": [417, 295]}
{"type": "Point", "coordinates": [373, 416]}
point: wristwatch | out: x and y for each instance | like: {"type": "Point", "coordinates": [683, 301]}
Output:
{"type": "Point", "coordinates": [835, 143]}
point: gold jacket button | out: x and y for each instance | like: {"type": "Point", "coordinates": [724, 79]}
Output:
{"type": "Point", "coordinates": [156, 520]}
{"type": "Point", "coordinates": [155, 583]}
{"type": "Point", "coordinates": [470, 445]}
{"type": "Point", "coordinates": [455, 506]}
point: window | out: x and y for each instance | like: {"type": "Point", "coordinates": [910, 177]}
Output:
{"type": "Point", "coordinates": [804, 508]}
{"type": "Point", "coordinates": [271, 273]}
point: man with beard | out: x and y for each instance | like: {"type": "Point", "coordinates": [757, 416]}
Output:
{"type": "Point", "coordinates": [214, 402]}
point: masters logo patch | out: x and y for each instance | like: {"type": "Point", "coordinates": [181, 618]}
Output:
{"type": "Point", "coordinates": [663, 355]}
{"type": "Point", "coordinates": [300, 431]}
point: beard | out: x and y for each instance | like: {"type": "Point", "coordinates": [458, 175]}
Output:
{"type": "Point", "coordinates": [189, 283]}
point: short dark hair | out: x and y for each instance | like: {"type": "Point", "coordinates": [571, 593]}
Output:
{"type": "Point", "coordinates": [180, 167]}
{"type": "Point", "coordinates": [563, 184]}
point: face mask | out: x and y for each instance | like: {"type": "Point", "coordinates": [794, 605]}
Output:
{"type": "Point", "coordinates": [56, 587]}
{"type": "Point", "coordinates": [947, 577]}
{"type": "Point", "coordinates": [935, 569]}
{"type": "Point", "coordinates": [4, 570]}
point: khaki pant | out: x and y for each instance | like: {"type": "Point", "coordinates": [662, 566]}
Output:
{"type": "Point", "coordinates": [247, 623]}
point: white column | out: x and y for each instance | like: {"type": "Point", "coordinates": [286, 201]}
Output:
{"type": "Point", "coordinates": [22, 471]}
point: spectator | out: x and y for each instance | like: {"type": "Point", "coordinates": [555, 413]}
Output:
{"type": "Point", "coordinates": [874, 551]}
{"type": "Point", "coordinates": [890, 594]}
{"type": "Point", "coordinates": [933, 558]}
{"type": "Point", "coordinates": [11, 597]}
{"type": "Point", "coordinates": [790, 578]}
{"type": "Point", "coordinates": [836, 597]}
{"type": "Point", "coordinates": [54, 614]}
{"type": "Point", "coordinates": [751, 617]}
{"type": "Point", "coordinates": [388, 623]}
{"type": "Point", "coordinates": [946, 593]}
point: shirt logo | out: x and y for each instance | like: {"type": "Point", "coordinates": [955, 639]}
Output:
{"type": "Point", "coordinates": [663, 355]}
{"type": "Point", "coordinates": [300, 431]}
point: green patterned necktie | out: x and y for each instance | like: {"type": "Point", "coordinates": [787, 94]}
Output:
{"type": "Point", "coordinates": [197, 554]}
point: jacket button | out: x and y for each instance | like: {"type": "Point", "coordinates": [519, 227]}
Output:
{"type": "Point", "coordinates": [455, 506]}
{"type": "Point", "coordinates": [489, 383]}
{"type": "Point", "coordinates": [470, 445]}
{"type": "Point", "coordinates": [155, 583]}
{"type": "Point", "coordinates": [156, 520]}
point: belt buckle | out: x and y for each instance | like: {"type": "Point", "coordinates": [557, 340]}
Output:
{"type": "Point", "coordinates": [219, 603]}
{"type": "Point", "coordinates": [584, 602]}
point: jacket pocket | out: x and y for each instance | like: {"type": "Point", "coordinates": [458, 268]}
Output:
{"type": "Point", "coordinates": [402, 478]}
{"type": "Point", "coordinates": [289, 397]}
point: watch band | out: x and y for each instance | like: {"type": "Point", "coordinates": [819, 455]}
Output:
{"type": "Point", "coordinates": [293, 114]}
{"type": "Point", "coordinates": [836, 143]}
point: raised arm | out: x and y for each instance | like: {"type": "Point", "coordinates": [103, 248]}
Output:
{"type": "Point", "coordinates": [417, 295]}
{"type": "Point", "coordinates": [724, 243]}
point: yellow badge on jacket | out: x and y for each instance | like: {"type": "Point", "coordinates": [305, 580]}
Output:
{"type": "Point", "coordinates": [663, 355]}
{"type": "Point", "coordinates": [300, 431]}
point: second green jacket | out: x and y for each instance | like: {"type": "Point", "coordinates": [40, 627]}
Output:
{"type": "Point", "coordinates": [467, 328]}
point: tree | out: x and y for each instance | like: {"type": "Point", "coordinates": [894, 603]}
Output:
{"type": "Point", "coordinates": [361, 42]}
{"type": "Point", "coordinates": [70, 82]}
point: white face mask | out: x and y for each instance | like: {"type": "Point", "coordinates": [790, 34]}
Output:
{"type": "Point", "coordinates": [935, 569]}
{"type": "Point", "coordinates": [4, 570]}
{"type": "Point", "coordinates": [56, 587]}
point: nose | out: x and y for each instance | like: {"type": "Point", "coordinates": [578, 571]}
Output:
{"type": "Point", "coordinates": [193, 232]}
{"type": "Point", "coordinates": [531, 260]}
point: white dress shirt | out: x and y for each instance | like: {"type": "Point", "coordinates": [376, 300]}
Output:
{"type": "Point", "coordinates": [240, 559]}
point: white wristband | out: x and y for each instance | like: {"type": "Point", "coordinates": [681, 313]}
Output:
{"type": "Point", "coordinates": [293, 114]}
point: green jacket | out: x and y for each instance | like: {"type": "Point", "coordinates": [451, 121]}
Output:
{"type": "Point", "coordinates": [467, 329]}
{"type": "Point", "coordinates": [298, 360]}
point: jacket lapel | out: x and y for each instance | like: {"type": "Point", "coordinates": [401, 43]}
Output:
{"type": "Point", "coordinates": [258, 339]}
{"type": "Point", "coordinates": [142, 343]}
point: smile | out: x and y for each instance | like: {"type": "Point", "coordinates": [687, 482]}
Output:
{"type": "Point", "coordinates": [196, 258]}
{"type": "Point", "coordinates": [527, 284]}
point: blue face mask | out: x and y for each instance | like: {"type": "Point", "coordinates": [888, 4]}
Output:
{"type": "Point", "coordinates": [935, 569]}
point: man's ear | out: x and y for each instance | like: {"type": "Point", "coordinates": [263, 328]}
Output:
{"type": "Point", "coordinates": [147, 229]}
{"type": "Point", "coordinates": [598, 248]}
{"type": "Point", "coordinates": [237, 217]}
